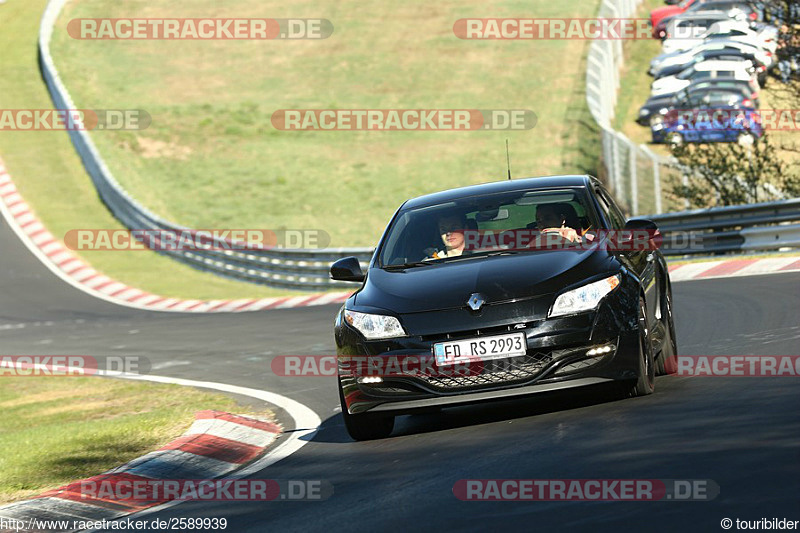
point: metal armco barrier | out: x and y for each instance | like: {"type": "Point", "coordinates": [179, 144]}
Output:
{"type": "Point", "coordinates": [753, 227]}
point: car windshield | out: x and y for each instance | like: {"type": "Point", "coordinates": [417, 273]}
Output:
{"type": "Point", "coordinates": [520, 221]}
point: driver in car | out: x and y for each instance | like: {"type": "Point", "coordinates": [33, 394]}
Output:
{"type": "Point", "coordinates": [451, 230]}
{"type": "Point", "coordinates": [550, 220]}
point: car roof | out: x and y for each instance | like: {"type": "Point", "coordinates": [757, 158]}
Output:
{"type": "Point", "coordinates": [733, 43]}
{"type": "Point", "coordinates": [545, 182]}
{"type": "Point", "coordinates": [695, 15]}
{"type": "Point", "coordinates": [711, 3]}
{"type": "Point", "coordinates": [730, 84]}
{"type": "Point", "coordinates": [724, 79]}
{"type": "Point", "coordinates": [712, 88]}
{"type": "Point", "coordinates": [714, 64]}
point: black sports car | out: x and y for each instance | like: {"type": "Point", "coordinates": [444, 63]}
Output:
{"type": "Point", "coordinates": [499, 290]}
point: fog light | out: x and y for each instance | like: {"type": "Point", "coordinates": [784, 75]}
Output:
{"type": "Point", "coordinates": [600, 350]}
{"type": "Point", "coordinates": [370, 379]}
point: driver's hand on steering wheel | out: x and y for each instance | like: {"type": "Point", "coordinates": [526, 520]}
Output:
{"type": "Point", "coordinates": [566, 232]}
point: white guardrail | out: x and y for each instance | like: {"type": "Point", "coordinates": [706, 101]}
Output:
{"type": "Point", "coordinates": [629, 169]}
{"type": "Point", "coordinates": [634, 172]}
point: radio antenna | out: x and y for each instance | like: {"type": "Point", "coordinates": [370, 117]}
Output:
{"type": "Point", "coordinates": [508, 161]}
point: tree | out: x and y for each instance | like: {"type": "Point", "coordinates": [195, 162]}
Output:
{"type": "Point", "coordinates": [720, 174]}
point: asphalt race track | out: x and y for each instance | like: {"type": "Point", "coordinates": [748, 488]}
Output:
{"type": "Point", "coordinates": [743, 433]}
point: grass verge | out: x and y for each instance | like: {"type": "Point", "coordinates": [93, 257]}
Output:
{"type": "Point", "coordinates": [49, 174]}
{"type": "Point", "coordinates": [57, 430]}
{"type": "Point", "coordinates": [212, 159]}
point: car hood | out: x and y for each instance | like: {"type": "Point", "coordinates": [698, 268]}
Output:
{"type": "Point", "coordinates": [657, 102]}
{"type": "Point", "coordinates": [668, 82]}
{"type": "Point", "coordinates": [680, 47]}
{"type": "Point", "coordinates": [666, 56]}
{"type": "Point", "coordinates": [497, 279]}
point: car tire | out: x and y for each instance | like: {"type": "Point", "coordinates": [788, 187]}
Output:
{"type": "Point", "coordinates": [645, 384]}
{"type": "Point", "coordinates": [666, 362]}
{"type": "Point", "coordinates": [366, 426]}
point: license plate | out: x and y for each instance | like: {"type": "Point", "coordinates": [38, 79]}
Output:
{"type": "Point", "coordinates": [480, 349]}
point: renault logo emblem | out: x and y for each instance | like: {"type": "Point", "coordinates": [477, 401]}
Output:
{"type": "Point", "coordinates": [476, 301]}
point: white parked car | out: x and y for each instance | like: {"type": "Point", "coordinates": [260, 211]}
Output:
{"type": "Point", "coordinates": [691, 25]}
{"type": "Point", "coordinates": [763, 36]}
{"type": "Point", "coordinates": [707, 49]}
{"type": "Point", "coordinates": [740, 70]}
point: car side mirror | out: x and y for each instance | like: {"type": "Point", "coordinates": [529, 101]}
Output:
{"type": "Point", "coordinates": [636, 237]}
{"type": "Point", "coordinates": [639, 224]}
{"type": "Point", "coordinates": [347, 269]}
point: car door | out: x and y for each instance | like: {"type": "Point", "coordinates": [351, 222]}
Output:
{"type": "Point", "coordinates": [641, 262]}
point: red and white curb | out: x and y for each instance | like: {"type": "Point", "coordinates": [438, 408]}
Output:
{"type": "Point", "coordinates": [217, 444]}
{"type": "Point", "coordinates": [74, 270]}
{"type": "Point", "coordinates": [733, 268]}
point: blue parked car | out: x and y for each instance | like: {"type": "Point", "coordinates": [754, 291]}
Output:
{"type": "Point", "coordinates": [706, 125]}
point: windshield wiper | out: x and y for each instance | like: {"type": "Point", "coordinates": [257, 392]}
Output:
{"type": "Point", "coordinates": [502, 252]}
{"type": "Point", "coordinates": [411, 264]}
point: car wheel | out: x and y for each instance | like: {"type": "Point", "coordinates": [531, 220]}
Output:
{"type": "Point", "coordinates": [675, 139]}
{"type": "Point", "coordinates": [746, 139]}
{"type": "Point", "coordinates": [666, 363]}
{"type": "Point", "coordinates": [647, 368]}
{"type": "Point", "coordinates": [366, 426]}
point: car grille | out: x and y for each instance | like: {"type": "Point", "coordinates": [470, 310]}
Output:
{"type": "Point", "coordinates": [500, 372]}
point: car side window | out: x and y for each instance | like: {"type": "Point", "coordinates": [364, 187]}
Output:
{"type": "Point", "coordinates": [611, 210]}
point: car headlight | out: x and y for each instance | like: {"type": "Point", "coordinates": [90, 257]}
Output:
{"type": "Point", "coordinates": [584, 298]}
{"type": "Point", "coordinates": [643, 112]}
{"type": "Point", "coordinates": [375, 326]}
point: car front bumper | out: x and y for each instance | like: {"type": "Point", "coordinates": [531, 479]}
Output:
{"type": "Point", "coordinates": [556, 358]}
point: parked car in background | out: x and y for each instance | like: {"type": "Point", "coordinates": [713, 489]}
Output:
{"type": "Point", "coordinates": [676, 62]}
{"type": "Point", "coordinates": [763, 36]}
{"type": "Point", "coordinates": [658, 15]}
{"type": "Point", "coordinates": [741, 70]}
{"type": "Point", "coordinates": [692, 25]}
{"type": "Point", "coordinates": [737, 96]}
{"type": "Point", "coordinates": [734, 9]}
{"type": "Point", "coordinates": [715, 123]}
